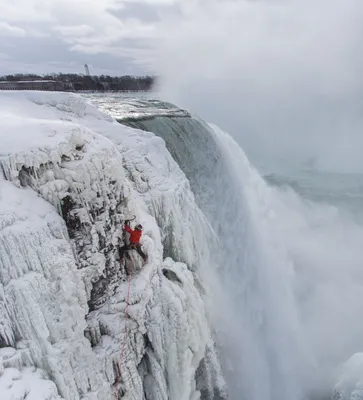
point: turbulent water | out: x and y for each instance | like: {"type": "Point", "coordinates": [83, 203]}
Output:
{"type": "Point", "coordinates": [288, 290]}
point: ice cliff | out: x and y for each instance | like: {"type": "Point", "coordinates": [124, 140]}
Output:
{"type": "Point", "coordinates": [70, 177]}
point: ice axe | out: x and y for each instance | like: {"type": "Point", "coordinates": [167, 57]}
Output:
{"type": "Point", "coordinates": [127, 221]}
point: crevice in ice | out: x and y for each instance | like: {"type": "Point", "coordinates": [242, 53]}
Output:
{"type": "Point", "coordinates": [86, 188]}
{"type": "Point", "coordinates": [172, 276]}
{"type": "Point", "coordinates": [208, 377]}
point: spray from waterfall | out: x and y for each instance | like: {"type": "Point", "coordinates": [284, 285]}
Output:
{"type": "Point", "coordinates": [254, 312]}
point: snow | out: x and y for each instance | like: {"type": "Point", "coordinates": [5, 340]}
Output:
{"type": "Point", "coordinates": [72, 175]}
{"type": "Point", "coordinates": [18, 383]}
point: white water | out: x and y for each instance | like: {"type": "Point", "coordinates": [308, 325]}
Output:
{"type": "Point", "coordinates": [272, 352]}
{"type": "Point", "coordinates": [310, 290]}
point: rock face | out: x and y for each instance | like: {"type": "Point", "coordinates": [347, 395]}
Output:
{"type": "Point", "coordinates": [71, 176]}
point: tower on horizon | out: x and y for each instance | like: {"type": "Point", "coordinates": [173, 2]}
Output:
{"type": "Point", "coordinates": [86, 69]}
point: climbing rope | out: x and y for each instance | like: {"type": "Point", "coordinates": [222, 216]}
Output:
{"type": "Point", "coordinates": [124, 338]}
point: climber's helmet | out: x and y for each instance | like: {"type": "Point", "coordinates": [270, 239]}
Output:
{"type": "Point", "coordinates": [138, 227]}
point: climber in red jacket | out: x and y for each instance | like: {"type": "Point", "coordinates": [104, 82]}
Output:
{"type": "Point", "coordinates": [135, 235]}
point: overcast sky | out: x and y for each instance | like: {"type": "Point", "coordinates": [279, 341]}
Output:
{"type": "Point", "coordinates": [111, 36]}
{"type": "Point", "coordinates": [271, 72]}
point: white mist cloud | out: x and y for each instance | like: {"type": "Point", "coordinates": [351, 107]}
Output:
{"type": "Point", "coordinates": [284, 77]}
{"type": "Point", "coordinates": [324, 246]}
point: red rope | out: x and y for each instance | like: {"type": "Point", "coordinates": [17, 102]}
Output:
{"type": "Point", "coordinates": [124, 338]}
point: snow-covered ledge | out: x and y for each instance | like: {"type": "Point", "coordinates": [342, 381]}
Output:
{"type": "Point", "coordinates": [64, 194]}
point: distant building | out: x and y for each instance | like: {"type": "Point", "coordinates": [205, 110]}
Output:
{"type": "Point", "coordinates": [34, 85]}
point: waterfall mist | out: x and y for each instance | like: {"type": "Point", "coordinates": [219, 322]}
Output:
{"type": "Point", "coordinates": [283, 77]}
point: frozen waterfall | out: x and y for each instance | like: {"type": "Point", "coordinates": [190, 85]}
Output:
{"type": "Point", "coordinates": [254, 313]}
{"type": "Point", "coordinates": [70, 176]}
{"type": "Point", "coordinates": [212, 315]}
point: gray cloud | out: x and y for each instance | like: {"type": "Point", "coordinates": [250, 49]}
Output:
{"type": "Point", "coordinates": [51, 54]}
{"type": "Point", "coordinates": [138, 10]}
{"type": "Point", "coordinates": [114, 36]}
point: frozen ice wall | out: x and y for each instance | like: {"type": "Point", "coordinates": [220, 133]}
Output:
{"type": "Point", "coordinates": [42, 296]}
{"type": "Point", "coordinates": [70, 177]}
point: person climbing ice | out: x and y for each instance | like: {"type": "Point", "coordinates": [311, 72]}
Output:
{"type": "Point", "coordinates": [135, 235]}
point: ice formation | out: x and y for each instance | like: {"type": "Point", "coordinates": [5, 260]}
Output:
{"type": "Point", "coordinates": [18, 382]}
{"type": "Point", "coordinates": [70, 177]}
{"type": "Point", "coordinates": [350, 382]}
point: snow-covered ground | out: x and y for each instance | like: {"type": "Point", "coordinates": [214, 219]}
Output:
{"type": "Point", "coordinates": [19, 382]}
{"type": "Point", "coordinates": [70, 177]}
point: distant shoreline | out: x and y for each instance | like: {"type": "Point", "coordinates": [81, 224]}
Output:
{"type": "Point", "coordinates": [76, 91]}
{"type": "Point", "coordinates": [78, 83]}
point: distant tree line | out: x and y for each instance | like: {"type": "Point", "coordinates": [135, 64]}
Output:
{"type": "Point", "coordinates": [84, 82]}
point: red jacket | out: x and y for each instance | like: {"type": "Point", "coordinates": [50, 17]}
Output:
{"type": "Point", "coordinates": [135, 235]}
